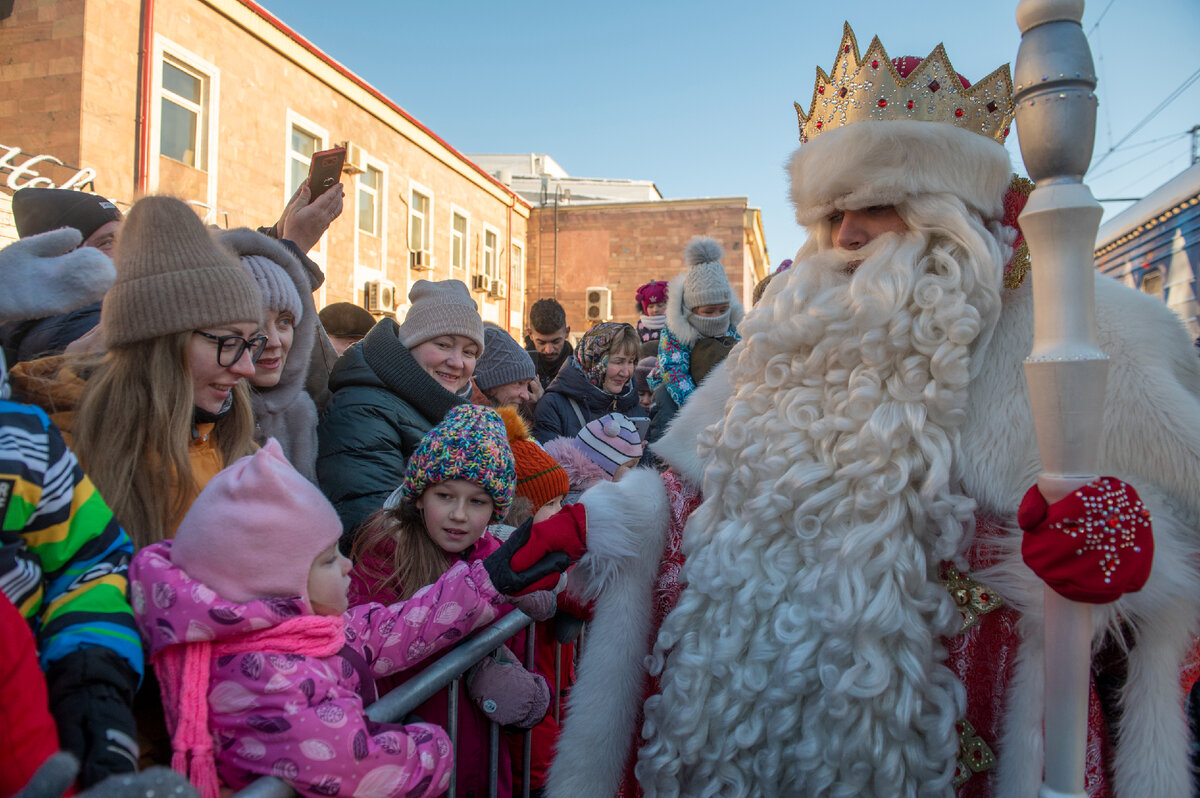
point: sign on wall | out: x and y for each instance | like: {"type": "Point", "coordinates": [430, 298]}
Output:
{"type": "Point", "coordinates": [22, 172]}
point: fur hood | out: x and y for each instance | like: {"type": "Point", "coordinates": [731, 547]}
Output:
{"type": "Point", "coordinates": [677, 321]}
{"type": "Point", "coordinates": [582, 473]}
{"type": "Point", "coordinates": [286, 412]}
{"type": "Point", "coordinates": [874, 163]}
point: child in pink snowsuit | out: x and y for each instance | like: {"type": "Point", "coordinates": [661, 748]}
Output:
{"type": "Point", "coordinates": [264, 670]}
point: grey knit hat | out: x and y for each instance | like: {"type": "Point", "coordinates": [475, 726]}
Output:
{"type": "Point", "coordinates": [706, 283]}
{"type": "Point", "coordinates": [172, 277]}
{"type": "Point", "coordinates": [441, 308]}
{"type": "Point", "coordinates": [278, 291]}
{"type": "Point", "coordinates": [503, 360]}
{"type": "Point", "coordinates": [269, 263]}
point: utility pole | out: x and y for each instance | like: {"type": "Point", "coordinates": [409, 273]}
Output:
{"type": "Point", "coordinates": [1195, 131]}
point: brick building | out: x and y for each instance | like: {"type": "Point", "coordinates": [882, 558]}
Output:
{"type": "Point", "coordinates": [220, 103]}
{"type": "Point", "coordinates": [620, 246]}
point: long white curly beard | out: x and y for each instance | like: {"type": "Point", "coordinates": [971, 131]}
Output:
{"type": "Point", "coordinates": [805, 655]}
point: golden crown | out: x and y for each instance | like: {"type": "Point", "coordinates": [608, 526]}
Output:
{"type": "Point", "coordinates": [869, 87]}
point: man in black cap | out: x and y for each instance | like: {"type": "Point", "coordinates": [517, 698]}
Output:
{"type": "Point", "coordinates": [40, 210]}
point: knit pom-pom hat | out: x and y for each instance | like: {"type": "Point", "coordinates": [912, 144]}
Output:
{"type": "Point", "coordinates": [255, 529]}
{"type": "Point", "coordinates": [468, 444]}
{"type": "Point", "coordinates": [539, 476]}
{"type": "Point", "coordinates": [611, 441]}
{"type": "Point", "coordinates": [705, 283]}
{"type": "Point", "coordinates": [503, 360]}
{"type": "Point", "coordinates": [652, 293]}
{"type": "Point", "coordinates": [173, 277]}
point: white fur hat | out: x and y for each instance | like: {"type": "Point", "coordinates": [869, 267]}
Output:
{"type": "Point", "coordinates": [886, 162]}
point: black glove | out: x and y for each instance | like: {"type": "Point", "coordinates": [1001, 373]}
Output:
{"type": "Point", "coordinates": [542, 575]}
{"type": "Point", "coordinates": [91, 692]}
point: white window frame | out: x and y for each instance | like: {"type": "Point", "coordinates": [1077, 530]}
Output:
{"type": "Point", "coordinates": [294, 119]}
{"type": "Point", "coordinates": [207, 159]}
{"type": "Point", "coordinates": [465, 244]}
{"type": "Point", "coordinates": [426, 220]}
{"type": "Point", "coordinates": [364, 272]}
{"type": "Point", "coordinates": [380, 193]}
{"type": "Point", "coordinates": [517, 270]}
{"type": "Point", "coordinates": [494, 271]}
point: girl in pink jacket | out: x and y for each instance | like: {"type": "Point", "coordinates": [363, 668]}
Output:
{"type": "Point", "coordinates": [264, 669]}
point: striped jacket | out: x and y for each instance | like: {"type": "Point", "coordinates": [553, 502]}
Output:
{"type": "Point", "coordinates": [63, 557]}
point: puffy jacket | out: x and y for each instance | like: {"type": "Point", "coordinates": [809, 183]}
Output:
{"type": "Point", "coordinates": [382, 404]}
{"type": "Point", "coordinates": [301, 717]}
{"type": "Point", "coordinates": [556, 418]}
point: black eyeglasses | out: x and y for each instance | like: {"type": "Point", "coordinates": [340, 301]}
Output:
{"type": "Point", "coordinates": [231, 347]}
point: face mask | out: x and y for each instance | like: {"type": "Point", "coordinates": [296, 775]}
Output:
{"type": "Point", "coordinates": [710, 326]}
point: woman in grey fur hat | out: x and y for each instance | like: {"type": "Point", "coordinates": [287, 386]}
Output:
{"type": "Point", "coordinates": [282, 408]}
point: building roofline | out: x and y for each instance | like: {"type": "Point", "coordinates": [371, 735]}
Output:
{"type": "Point", "coordinates": [658, 203]}
{"type": "Point", "coordinates": [283, 28]}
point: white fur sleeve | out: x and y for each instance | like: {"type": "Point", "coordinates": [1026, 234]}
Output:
{"type": "Point", "coordinates": [627, 526]}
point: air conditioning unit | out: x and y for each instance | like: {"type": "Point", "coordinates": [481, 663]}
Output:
{"type": "Point", "coordinates": [381, 296]}
{"type": "Point", "coordinates": [421, 261]}
{"type": "Point", "coordinates": [481, 282]}
{"type": "Point", "coordinates": [353, 164]}
{"type": "Point", "coordinates": [598, 304]}
{"type": "Point", "coordinates": [499, 289]}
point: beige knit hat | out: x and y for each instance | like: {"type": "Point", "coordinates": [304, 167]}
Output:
{"type": "Point", "coordinates": [441, 308]}
{"type": "Point", "coordinates": [172, 277]}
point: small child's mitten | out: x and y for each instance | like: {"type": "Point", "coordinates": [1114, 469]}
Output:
{"type": "Point", "coordinates": [506, 692]}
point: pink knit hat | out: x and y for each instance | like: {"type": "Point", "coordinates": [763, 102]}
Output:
{"type": "Point", "coordinates": [255, 529]}
{"type": "Point", "coordinates": [611, 441]}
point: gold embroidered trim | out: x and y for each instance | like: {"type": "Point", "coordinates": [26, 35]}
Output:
{"type": "Point", "coordinates": [972, 598]}
{"type": "Point", "coordinates": [974, 755]}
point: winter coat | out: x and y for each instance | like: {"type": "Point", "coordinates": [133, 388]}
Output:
{"type": "Point", "coordinates": [301, 717]}
{"type": "Point", "coordinates": [677, 340]}
{"type": "Point", "coordinates": [62, 554]}
{"type": "Point", "coordinates": [555, 416]}
{"type": "Point", "coordinates": [29, 340]}
{"type": "Point", "coordinates": [383, 403]}
{"type": "Point", "coordinates": [286, 412]}
{"type": "Point", "coordinates": [27, 734]}
{"type": "Point", "coordinates": [471, 778]}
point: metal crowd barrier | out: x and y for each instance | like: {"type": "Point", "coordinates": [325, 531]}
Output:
{"type": "Point", "coordinates": [446, 672]}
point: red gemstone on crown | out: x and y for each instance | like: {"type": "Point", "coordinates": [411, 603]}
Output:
{"type": "Point", "coordinates": [819, 125]}
{"type": "Point", "coordinates": [991, 108]}
{"type": "Point", "coordinates": [847, 48]}
{"type": "Point", "coordinates": [874, 65]}
{"type": "Point", "coordinates": [883, 103]}
{"type": "Point", "coordinates": [958, 112]}
{"type": "Point", "coordinates": [820, 89]}
{"type": "Point", "coordinates": [842, 92]}
{"type": "Point", "coordinates": [934, 85]}
{"type": "Point", "coordinates": [909, 104]}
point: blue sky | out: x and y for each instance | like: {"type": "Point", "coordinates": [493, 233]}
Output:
{"type": "Point", "coordinates": [697, 96]}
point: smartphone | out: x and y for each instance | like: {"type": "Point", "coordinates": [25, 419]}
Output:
{"type": "Point", "coordinates": [325, 171]}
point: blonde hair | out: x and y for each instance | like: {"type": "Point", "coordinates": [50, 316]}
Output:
{"type": "Point", "coordinates": [133, 428]}
{"type": "Point", "coordinates": [625, 342]}
{"type": "Point", "coordinates": [395, 555]}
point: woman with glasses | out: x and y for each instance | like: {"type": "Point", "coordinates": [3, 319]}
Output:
{"type": "Point", "coordinates": [283, 410]}
{"type": "Point", "coordinates": [166, 407]}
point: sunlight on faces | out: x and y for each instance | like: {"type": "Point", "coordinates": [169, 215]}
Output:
{"type": "Point", "coordinates": [104, 238]}
{"type": "Point", "coordinates": [329, 582]}
{"type": "Point", "coordinates": [456, 514]}
{"type": "Point", "coordinates": [656, 308]}
{"type": "Point", "coordinates": [510, 393]}
{"type": "Point", "coordinates": [620, 369]}
{"type": "Point", "coordinates": [549, 345]}
{"type": "Point", "coordinates": [449, 359]}
{"type": "Point", "coordinates": [549, 508]}
{"type": "Point", "coordinates": [280, 329]}
{"type": "Point", "coordinates": [212, 383]}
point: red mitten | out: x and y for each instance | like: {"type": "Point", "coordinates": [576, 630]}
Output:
{"type": "Point", "coordinates": [565, 531]}
{"type": "Point", "coordinates": [1093, 545]}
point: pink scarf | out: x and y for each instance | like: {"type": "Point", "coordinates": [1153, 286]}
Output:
{"type": "Point", "coordinates": [183, 674]}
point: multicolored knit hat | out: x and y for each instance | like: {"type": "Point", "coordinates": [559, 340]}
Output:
{"type": "Point", "coordinates": [469, 444]}
{"type": "Point", "coordinates": [539, 476]}
{"type": "Point", "coordinates": [594, 348]}
{"type": "Point", "coordinates": [611, 441]}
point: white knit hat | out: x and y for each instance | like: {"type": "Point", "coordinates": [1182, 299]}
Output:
{"type": "Point", "coordinates": [705, 283]}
